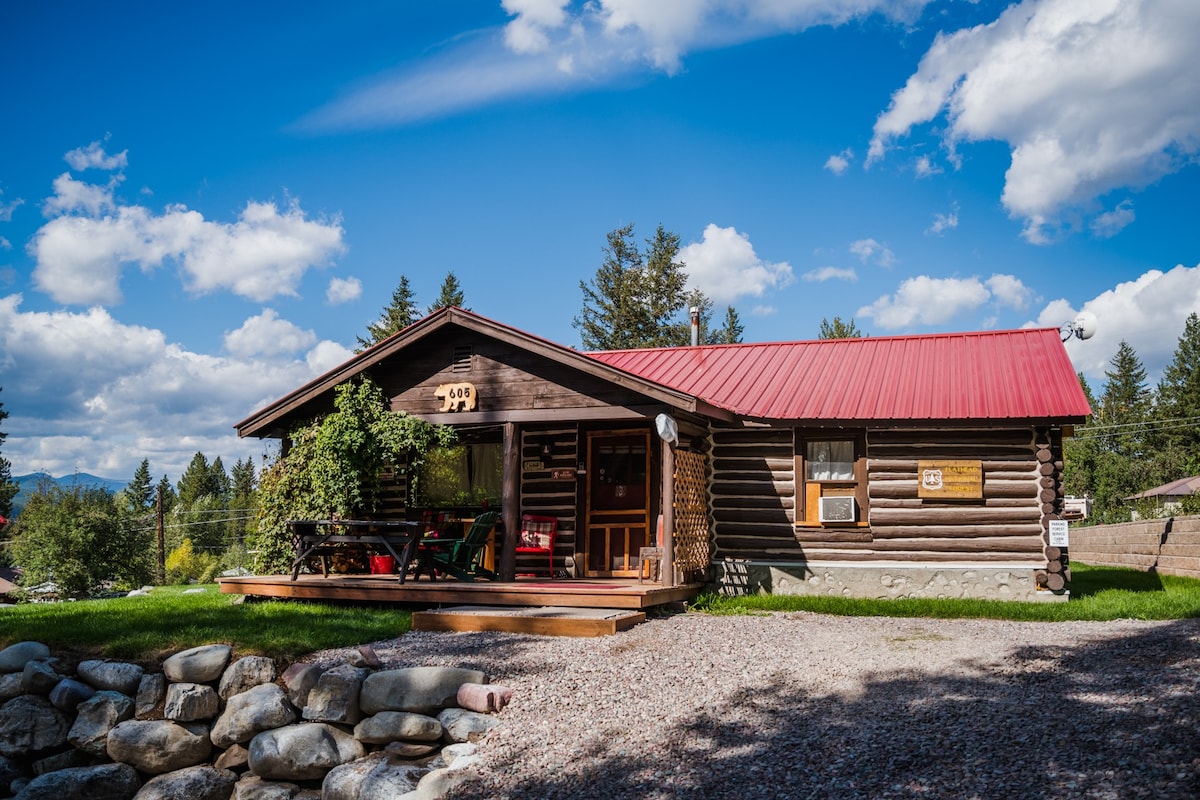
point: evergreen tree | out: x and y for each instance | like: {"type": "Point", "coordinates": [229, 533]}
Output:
{"type": "Point", "coordinates": [610, 319]}
{"type": "Point", "coordinates": [1080, 452]}
{"type": "Point", "coordinates": [243, 501]}
{"type": "Point", "coordinates": [839, 329]}
{"type": "Point", "coordinates": [451, 295]}
{"type": "Point", "coordinates": [198, 480]}
{"type": "Point", "coordinates": [662, 292]}
{"type": "Point", "coordinates": [167, 491]}
{"type": "Point", "coordinates": [731, 331]}
{"type": "Point", "coordinates": [8, 487]}
{"type": "Point", "coordinates": [1178, 407]}
{"type": "Point", "coordinates": [401, 313]}
{"type": "Point", "coordinates": [1121, 466]}
{"type": "Point", "coordinates": [140, 491]}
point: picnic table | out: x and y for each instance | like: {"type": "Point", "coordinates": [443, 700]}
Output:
{"type": "Point", "coordinates": [318, 536]}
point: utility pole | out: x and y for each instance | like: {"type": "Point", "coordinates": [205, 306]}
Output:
{"type": "Point", "coordinates": [162, 544]}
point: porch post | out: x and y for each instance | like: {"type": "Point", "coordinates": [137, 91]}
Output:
{"type": "Point", "coordinates": [510, 502]}
{"type": "Point", "coordinates": [668, 514]}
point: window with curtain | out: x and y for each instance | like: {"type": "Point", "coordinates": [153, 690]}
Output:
{"type": "Point", "coordinates": [831, 460]}
{"type": "Point", "coordinates": [462, 475]}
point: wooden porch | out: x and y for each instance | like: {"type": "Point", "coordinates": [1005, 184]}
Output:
{"type": "Point", "coordinates": [610, 593]}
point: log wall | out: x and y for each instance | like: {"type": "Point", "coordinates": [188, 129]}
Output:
{"type": "Point", "coordinates": [1170, 545]}
{"type": "Point", "coordinates": [754, 499]}
{"type": "Point", "coordinates": [542, 493]}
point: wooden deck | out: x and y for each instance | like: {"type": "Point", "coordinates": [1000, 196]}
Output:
{"type": "Point", "coordinates": [612, 593]}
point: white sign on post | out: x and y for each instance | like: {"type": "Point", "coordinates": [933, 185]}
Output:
{"type": "Point", "coordinates": [1058, 533]}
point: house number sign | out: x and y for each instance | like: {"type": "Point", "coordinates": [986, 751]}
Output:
{"type": "Point", "coordinates": [456, 396]}
{"type": "Point", "coordinates": [950, 480]}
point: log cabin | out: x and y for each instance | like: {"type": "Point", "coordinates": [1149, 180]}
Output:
{"type": "Point", "coordinates": [894, 466]}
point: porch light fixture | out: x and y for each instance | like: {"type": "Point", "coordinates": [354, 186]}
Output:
{"type": "Point", "coordinates": [668, 429]}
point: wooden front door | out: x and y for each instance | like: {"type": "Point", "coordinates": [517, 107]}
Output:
{"type": "Point", "coordinates": [618, 502]}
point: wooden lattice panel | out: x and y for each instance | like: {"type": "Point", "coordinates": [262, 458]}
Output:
{"type": "Point", "coordinates": [691, 512]}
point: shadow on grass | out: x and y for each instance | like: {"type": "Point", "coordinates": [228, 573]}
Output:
{"type": "Point", "coordinates": [1111, 718]}
{"type": "Point", "coordinates": [1093, 580]}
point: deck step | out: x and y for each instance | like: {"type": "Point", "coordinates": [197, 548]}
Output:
{"type": "Point", "coordinates": [538, 620]}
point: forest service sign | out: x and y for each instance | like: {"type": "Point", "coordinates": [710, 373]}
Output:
{"type": "Point", "coordinates": [950, 480]}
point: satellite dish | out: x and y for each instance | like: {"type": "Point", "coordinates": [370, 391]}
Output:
{"type": "Point", "coordinates": [1084, 325]}
{"type": "Point", "coordinates": [668, 429]}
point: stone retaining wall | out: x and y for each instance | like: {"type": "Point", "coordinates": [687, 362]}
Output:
{"type": "Point", "coordinates": [1170, 545]}
{"type": "Point", "coordinates": [208, 729]}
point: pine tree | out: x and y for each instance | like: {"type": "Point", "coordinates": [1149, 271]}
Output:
{"type": "Point", "coordinates": [8, 487]}
{"type": "Point", "coordinates": [167, 491]}
{"type": "Point", "coordinates": [243, 502]}
{"type": "Point", "coordinates": [662, 292]}
{"type": "Point", "coordinates": [139, 493]}
{"type": "Point", "coordinates": [610, 319]}
{"type": "Point", "coordinates": [839, 329]}
{"type": "Point", "coordinates": [731, 331]}
{"type": "Point", "coordinates": [396, 317]}
{"type": "Point", "coordinates": [1178, 406]}
{"type": "Point", "coordinates": [451, 295]}
{"type": "Point", "coordinates": [1122, 468]}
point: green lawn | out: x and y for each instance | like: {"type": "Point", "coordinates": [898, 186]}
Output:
{"type": "Point", "coordinates": [1097, 593]}
{"type": "Point", "coordinates": [146, 629]}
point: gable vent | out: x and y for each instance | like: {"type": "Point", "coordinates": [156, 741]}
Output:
{"type": "Point", "coordinates": [461, 358]}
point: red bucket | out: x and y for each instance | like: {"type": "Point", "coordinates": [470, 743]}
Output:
{"type": "Point", "coordinates": [382, 565]}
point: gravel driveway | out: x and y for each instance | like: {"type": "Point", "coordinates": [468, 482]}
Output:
{"type": "Point", "coordinates": [799, 705]}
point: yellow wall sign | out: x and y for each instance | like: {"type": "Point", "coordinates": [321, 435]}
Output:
{"type": "Point", "coordinates": [950, 480]}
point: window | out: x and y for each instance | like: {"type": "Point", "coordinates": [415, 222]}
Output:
{"type": "Point", "coordinates": [830, 466]}
{"type": "Point", "coordinates": [461, 476]}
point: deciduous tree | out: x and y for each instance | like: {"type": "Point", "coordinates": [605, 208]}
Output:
{"type": "Point", "coordinates": [839, 329]}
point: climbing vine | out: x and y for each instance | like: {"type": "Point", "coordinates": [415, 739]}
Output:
{"type": "Point", "coordinates": [333, 465]}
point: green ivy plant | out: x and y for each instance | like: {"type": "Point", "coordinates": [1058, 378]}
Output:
{"type": "Point", "coordinates": [333, 465]}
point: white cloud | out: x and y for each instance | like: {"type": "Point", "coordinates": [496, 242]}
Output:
{"type": "Point", "coordinates": [932, 301]}
{"type": "Point", "coordinates": [1089, 96]}
{"type": "Point", "coordinates": [7, 209]}
{"type": "Point", "coordinates": [94, 157]}
{"type": "Point", "coordinates": [1110, 223]}
{"type": "Point", "coordinates": [924, 167]}
{"type": "Point", "coordinates": [343, 290]}
{"type": "Point", "coordinates": [839, 162]}
{"type": "Point", "coordinates": [552, 46]}
{"type": "Point", "coordinates": [868, 249]}
{"type": "Point", "coordinates": [944, 222]}
{"type": "Point", "coordinates": [265, 253]}
{"type": "Point", "coordinates": [822, 274]}
{"type": "Point", "coordinates": [724, 265]}
{"type": "Point", "coordinates": [1148, 312]}
{"type": "Point", "coordinates": [86, 391]}
{"type": "Point", "coordinates": [5, 244]}
{"type": "Point", "coordinates": [267, 334]}
{"type": "Point", "coordinates": [1008, 290]}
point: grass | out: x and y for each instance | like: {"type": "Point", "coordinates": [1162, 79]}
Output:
{"type": "Point", "coordinates": [1097, 593]}
{"type": "Point", "coordinates": [147, 629]}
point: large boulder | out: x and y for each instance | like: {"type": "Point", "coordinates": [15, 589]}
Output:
{"type": "Point", "coordinates": [465, 726]}
{"type": "Point", "coordinates": [335, 697]}
{"type": "Point", "coordinates": [159, 746]}
{"type": "Point", "coordinates": [392, 726]}
{"type": "Point", "coordinates": [376, 775]}
{"type": "Point", "coordinates": [95, 718]}
{"type": "Point", "coordinates": [246, 673]}
{"type": "Point", "coordinates": [151, 694]}
{"type": "Point", "coordinates": [250, 713]}
{"type": "Point", "coordinates": [40, 677]}
{"type": "Point", "coordinates": [30, 724]}
{"type": "Point", "coordinates": [103, 782]}
{"type": "Point", "coordinates": [302, 752]}
{"type": "Point", "coordinates": [116, 676]}
{"type": "Point", "coordinates": [14, 657]}
{"type": "Point", "coordinates": [422, 690]}
{"type": "Point", "coordinates": [299, 679]}
{"type": "Point", "coordinates": [188, 702]}
{"type": "Point", "coordinates": [10, 685]}
{"type": "Point", "coordinates": [69, 693]}
{"type": "Point", "coordinates": [194, 783]}
{"type": "Point", "coordinates": [202, 664]}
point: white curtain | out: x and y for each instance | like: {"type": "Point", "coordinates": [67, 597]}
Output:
{"type": "Point", "coordinates": [831, 461]}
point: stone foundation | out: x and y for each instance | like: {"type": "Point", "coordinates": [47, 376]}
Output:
{"type": "Point", "coordinates": [882, 581]}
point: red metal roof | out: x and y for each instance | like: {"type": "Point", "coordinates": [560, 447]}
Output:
{"type": "Point", "coordinates": [1015, 374]}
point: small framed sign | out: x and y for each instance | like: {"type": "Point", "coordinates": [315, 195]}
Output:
{"type": "Point", "coordinates": [533, 466]}
{"type": "Point", "coordinates": [1059, 533]}
{"type": "Point", "coordinates": [563, 474]}
{"type": "Point", "coordinates": [950, 480]}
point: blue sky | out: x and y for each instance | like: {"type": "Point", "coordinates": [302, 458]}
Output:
{"type": "Point", "coordinates": [203, 205]}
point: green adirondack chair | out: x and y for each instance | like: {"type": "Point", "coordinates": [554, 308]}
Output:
{"type": "Point", "coordinates": [460, 558]}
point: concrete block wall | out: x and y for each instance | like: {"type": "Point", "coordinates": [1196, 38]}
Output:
{"type": "Point", "coordinates": [1170, 545]}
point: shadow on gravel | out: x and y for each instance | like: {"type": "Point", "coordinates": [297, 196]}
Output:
{"type": "Point", "coordinates": [1113, 719]}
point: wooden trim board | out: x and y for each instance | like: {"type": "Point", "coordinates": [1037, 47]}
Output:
{"type": "Point", "coordinates": [540, 621]}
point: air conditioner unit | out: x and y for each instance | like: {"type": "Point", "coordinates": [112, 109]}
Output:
{"type": "Point", "coordinates": [838, 509]}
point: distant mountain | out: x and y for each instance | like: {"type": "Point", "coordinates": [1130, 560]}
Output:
{"type": "Point", "coordinates": [28, 484]}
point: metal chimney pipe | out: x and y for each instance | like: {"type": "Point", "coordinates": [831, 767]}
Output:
{"type": "Point", "coordinates": [695, 311]}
